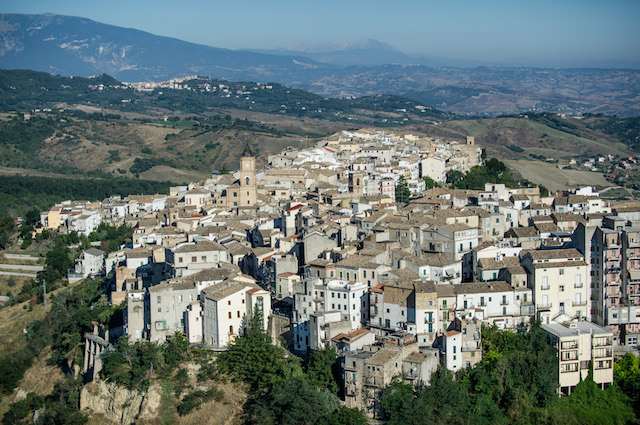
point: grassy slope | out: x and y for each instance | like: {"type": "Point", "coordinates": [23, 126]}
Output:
{"type": "Point", "coordinates": [554, 178]}
{"type": "Point", "coordinates": [496, 134]}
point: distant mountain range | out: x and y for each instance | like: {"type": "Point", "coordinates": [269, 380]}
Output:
{"type": "Point", "coordinates": [365, 53]}
{"type": "Point", "coordinates": [78, 46]}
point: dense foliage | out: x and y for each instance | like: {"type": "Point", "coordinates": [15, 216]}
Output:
{"type": "Point", "coordinates": [59, 408]}
{"type": "Point", "coordinates": [21, 193]}
{"type": "Point", "coordinates": [72, 312]}
{"type": "Point", "coordinates": [133, 364]}
{"type": "Point", "coordinates": [6, 230]}
{"type": "Point", "coordinates": [627, 130]}
{"type": "Point", "coordinates": [280, 390]}
{"type": "Point", "coordinates": [196, 398]}
{"type": "Point", "coordinates": [627, 377]}
{"type": "Point", "coordinates": [111, 237]}
{"type": "Point", "coordinates": [493, 171]}
{"type": "Point", "coordinates": [515, 383]}
{"type": "Point", "coordinates": [403, 194]}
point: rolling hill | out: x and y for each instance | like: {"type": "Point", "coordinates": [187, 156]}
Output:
{"type": "Point", "coordinates": [78, 46]}
{"type": "Point", "coordinates": [60, 126]}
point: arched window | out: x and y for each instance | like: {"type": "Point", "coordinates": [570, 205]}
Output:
{"type": "Point", "coordinates": [246, 180]}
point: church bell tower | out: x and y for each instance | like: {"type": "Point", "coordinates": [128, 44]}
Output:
{"type": "Point", "coordinates": [247, 178]}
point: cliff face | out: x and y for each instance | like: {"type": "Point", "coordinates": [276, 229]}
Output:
{"type": "Point", "coordinates": [118, 404]}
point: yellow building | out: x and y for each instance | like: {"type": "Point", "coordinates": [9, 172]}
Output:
{"type": "Point", "coordinates": [242, 193]}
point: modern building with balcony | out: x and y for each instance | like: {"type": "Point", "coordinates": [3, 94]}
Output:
{"type": "Point", "coordinates": [615, 279]}
{"type": "Point", "coordinates": [582, 347]}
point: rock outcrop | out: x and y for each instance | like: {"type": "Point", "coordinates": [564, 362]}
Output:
{"type": "Point", "coordinates": [119, 404]}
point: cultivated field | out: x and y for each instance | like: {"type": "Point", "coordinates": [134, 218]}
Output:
{"type": "Point", "coordinates": [554, 178]}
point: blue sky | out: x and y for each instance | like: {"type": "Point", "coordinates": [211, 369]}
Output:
{"type": "Point", "coordinates": [509, 32]}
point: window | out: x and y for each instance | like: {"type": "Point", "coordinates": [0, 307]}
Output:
{"type": "Point", "coordinates": [561, 272]}
{"type": "Point", "coordinates": [230, 330]}
{"type": "Point", "coordinates": [229, 315]}
{"type": "Point", "coordinates": [194, 259]}
{"type": "Point", "coordinates": [545, 282]}
{"type": "Point", "coordinates": [238, 314]}
{"type": "Point", "coordinates": [203, 258]}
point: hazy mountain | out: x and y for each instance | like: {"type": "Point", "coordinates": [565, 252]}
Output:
{"type": "Point", "coordinates": [368, 52]}
{"type": "Point", "coordinates": [79, 46]}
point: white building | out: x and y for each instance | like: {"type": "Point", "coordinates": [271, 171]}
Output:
{"type": "Point", "coordinates": [227, 306]}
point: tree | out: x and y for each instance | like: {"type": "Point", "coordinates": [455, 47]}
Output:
{"type": "Point", "coordinates": [72, 315]}
{"type": "Point", "coordinates": [403, 194]}
{"type": "Point", "coordinates": [131, 365]}
{"type": "Point", "coordinates": [454, 177]}
{"type": "Point", "coordinates": [398, 403]}
{"type": "Point", "coordinates": [322, 369]}
{"type": "Point", "coordinates": [6, 229]}
{"type": "Point", "coordinates": [627, 377]}
{"type": "Point", "coordinates": [111, 237]}
{"type": "Point", "coordinates": [32, 217]}
{"type": "Point", "coordinates": [294, 401]}
{"type": "Point", "coordinates": [430, 183]}
{"type": "Point", "coordinates": [345, 416]}
{"type": "Point", "coordinates": [589, 405]}
{"type": "Point", "coordinates": [254, 359]}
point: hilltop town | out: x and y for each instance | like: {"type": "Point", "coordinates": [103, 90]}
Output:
{"type": "Point", "coordinates": [358, 244]}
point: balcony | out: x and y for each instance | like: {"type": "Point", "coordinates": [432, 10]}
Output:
{"type": "Point", "coordinates": [613, 292]}
{"type": "Point", "coordinates": [527, 310]}
{"type": "Point", "coordinates": [613, 255]}
{"type": "Point", "coordinates": [411, 375]}
{"type": "Point", "coordinates": [612, 268]}
{"type": "Point", "coordinates": [579, 303]}
{"type": "Point", "coordinates": [613, 282]}
{"type": "Point", "coordinates": [633, 253]}
{"type": "Point", "coordinates": [545, 306]}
